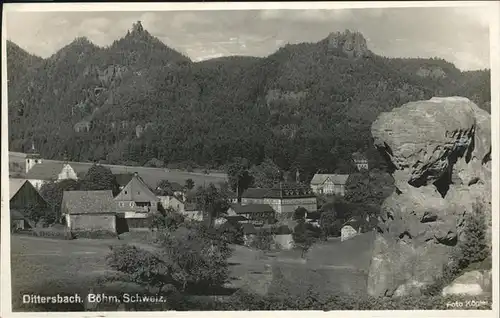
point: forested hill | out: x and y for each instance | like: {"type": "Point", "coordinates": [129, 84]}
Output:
{"type": "Point", "coordinates": [308, 105]}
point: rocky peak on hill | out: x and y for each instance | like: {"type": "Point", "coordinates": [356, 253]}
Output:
{"type": "Point", "coordinates": [352, 44]}
{"type": "Point", "coordinates": [440, 152]}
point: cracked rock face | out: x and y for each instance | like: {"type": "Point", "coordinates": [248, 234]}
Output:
{"type": "Point", "coordinates": [440, 151]}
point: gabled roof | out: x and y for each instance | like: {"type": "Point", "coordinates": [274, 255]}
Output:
{"type": "Point", "coordinates": [45, 171]}
{"type": "Point", "coordinates": [320, 178]}
{"type": "Point", "coordinates": [136, 190]}
{"type": "Point", "coordinates": [14, 186]}
{"type": "Point", "coordinates": [288, 191]}
{"type": "Point", "coordinates": [235, 218]}
{"type": "Point", "coordinates": [16, 214]}
{"type": "Point", "coordinates": [176, 186]}
{"type": "Point", "coordinates": [88, 202]}
{"type": "Point", "coordinates": [50, 170]}
{"type": "Point", "coordinates": [251, 208]}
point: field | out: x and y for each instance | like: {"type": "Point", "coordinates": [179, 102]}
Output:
{"type": "Point", "coordinates": [150, 175]}
{"type": "Point", "coordinates": [48, 266]}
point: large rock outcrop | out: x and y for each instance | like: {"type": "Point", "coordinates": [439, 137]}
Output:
{"type": "Point", "coordinates": [440, 151]}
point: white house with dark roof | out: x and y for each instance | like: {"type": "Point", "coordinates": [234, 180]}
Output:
{"type": "Point", "coordinates": [333, 184]}
{"type": "Point", "coordinates": [136, 200]}
{"type": "Point", "coordinates": [360, 161]}
{"type": "Point", "coordinates": [89, 210]}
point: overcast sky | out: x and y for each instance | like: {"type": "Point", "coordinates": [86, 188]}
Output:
{"type": "Point", "coordinates": [459, 35]}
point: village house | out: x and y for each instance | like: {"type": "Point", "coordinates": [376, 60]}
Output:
{"type": "Point", "coordinates": [136, 202]}
{"type": "Point", "coordinates": [89, 210]}
{"type": "Point", "coordinates": [171, 201]}
{"type": "Point", "coordinates": [22, 197]}
{"type": "Point", "coordinates": [284, 199]}
{"type": "Point", "coordinates": [360, 161]}
{"type": "Point", "coordinates": [232, 197]}
{"type": "Point", "coordinates": [357, 225]}
{"type": "Point", "coordinates": [257, 214]}
{"type": "Point", "coordinates": [39, 172]}
{"type": "Point", "coordinates": [191, 212]}
{"type": "Point", "coordinates": [329, 184]}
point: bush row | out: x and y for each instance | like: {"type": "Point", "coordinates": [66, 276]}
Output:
{"type": "Point", "coordinates": [243, 301]}
{"type": "Point", "coordinates": [68, 235]}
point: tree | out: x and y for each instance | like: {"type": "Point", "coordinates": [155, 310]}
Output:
{"type": "Point", "coordinates": [200, 260]}
{"type": "Point", "coordinates": [304, 235]}
{"type": "Point", "coordinates": [52, 192]}
{"type": "Point", "coordinates": [328, 220]}
{"type": "Point", "coordinates": [369, 187]}
{"type": "Point", "coordinates": [168, 219]}
{"type": "Point", "coordinates": [99, 177]}
{"type": "Point", "coordinates": [164, 187]}
{"type": "Point", "coordinates": [263, 240]}
{"type": "Point", "coordinates": [239, 177]}
{"type": "Point", "coordinates": [212, 202]}
{"type": "Point", "coordinates": [474, 246]}
{"type": "Point", "coordinates": [300, 213]}
{"type": "Point", "coordinates": [142, 267]}
{"type": "Point", "coordinates": [189, 184]}
{"type": "Point", "coordinates": [266, 175]}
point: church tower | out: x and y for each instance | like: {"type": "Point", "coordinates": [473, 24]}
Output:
{"type": "Point", "coordinates": [32, 158]}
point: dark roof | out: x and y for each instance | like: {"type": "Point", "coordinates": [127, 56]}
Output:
{"type": "Point", "coordinates": [176, 186]}
{"type": "Point", "coordinates": [45, 171]}
{"type": "Point", "coordinates": [88, 202]}
{"type": "Point", "coordinates": [235, 218]}
{"type": "Point", "coordinates": [50, 170]}
{"type": "Point", "coordinates": [251, 208]}
{"type": "Point", "coordinates": [136, 190]}
{"type": "Point", "coordinates": [362, 222]}
{"type": "Point", "coordinates": [313, 215]}
{"type": "Point", "coordinates": [284, 192]}
{"type": "Point", "coordinates": [248, 228]}
{"type": "Point", "coordinates": [320, 178]}
{"type": "Point", "coordinates": [16, 214]}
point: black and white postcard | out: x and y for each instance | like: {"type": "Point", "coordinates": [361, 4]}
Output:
{"type": "Point", "coordinates": [332, 157]}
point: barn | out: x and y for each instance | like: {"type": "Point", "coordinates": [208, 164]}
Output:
{"type": "Point", "coordinates": [89, 210]}
{"type": "Point", "coordinates": [24, 199]}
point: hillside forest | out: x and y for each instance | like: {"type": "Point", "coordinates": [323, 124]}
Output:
{"type": "Point", "coordinates": [306, 107]}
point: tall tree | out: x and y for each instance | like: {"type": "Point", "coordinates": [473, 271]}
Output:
{"type": "Point", "coordinates": [99, 177]}
{"type": "Point", "coordinates": [189, 184]}
{"type": "Point", "coordinates": [212, 202]}
{"type": "Point", "coordinates": [239, 177]}
{"type": "Point", "coordinates": [266, 175]}
{"type": "Point", "coordinates": [52, 192]}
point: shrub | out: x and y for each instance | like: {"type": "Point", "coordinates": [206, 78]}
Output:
{"type": "Point", "coordinates": [263, 240]}
{"type": "Point", "coordinates": [62, 234]}
{"type": "Point", "coordinates": [94, 234]}
{"type": "Point", "coordinates": [474, 247]}
{"type": "Point", "coordinates": [154, 163]}
{"type": "Point", "coordinates": [471, 250]}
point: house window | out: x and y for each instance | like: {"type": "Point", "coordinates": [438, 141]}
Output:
{"type": "Point", "coordinates": [121, 204]}
{"type": "Point", "coordinates": [125, 192]}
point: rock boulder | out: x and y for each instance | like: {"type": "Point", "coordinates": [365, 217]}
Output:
{"type": "Point", "coordinates": [439, 150]}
